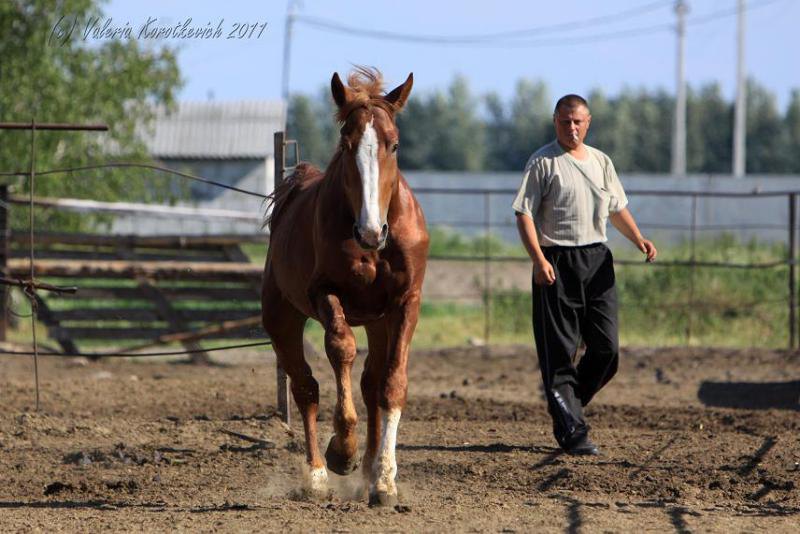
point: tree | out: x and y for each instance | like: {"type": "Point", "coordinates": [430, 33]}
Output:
{"type": "Point", "coordinates": [417, 135]}
{"type": "Point", "coordinates": [604, 120]}
{"type": "Point", "coordinates": [792, 127]}
{"type": "Point", "coordinates": [709, 133]}
{"type": "Point", "coordinates": [531, 123]}
{"type": "Point", "coordinates": [652, 139]}
{"type": "Point", "coordinates": [766, 143]}
{"type": "Point", "coordinates": [305, 126]}
{"type": "Point", "coordinates": [498, 134]}
{"type": "Point", "coordinates": [442, 131]}
{"type": "Point", "coordinates": [50, 76]}
{"type": "Point", "coordinates": [634, 129]}
{"type": "Point", "coordinates": [460, 137]}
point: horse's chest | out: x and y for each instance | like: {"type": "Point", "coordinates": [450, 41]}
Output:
{"type": "Point", "coordinates": [373, 277]}
{"type": "Point", "coordinates": [363, 272]}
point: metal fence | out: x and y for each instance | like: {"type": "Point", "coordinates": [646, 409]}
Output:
{"type": "Point", "coordinates": [489, 224]}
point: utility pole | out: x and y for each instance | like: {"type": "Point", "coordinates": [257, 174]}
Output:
{"type": "Point", "coordinates": [678, 164]}
{"type": "Point", "coordinates": [287, 55]}
{"type": "Point", "coordinates": [740, 112]}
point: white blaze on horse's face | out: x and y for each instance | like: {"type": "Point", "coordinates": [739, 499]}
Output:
{"type": "Point", "coordinates": [371, 225]}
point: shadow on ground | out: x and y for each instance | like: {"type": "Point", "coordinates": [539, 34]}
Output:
{"type": "Point", "coordinates": [751, 395]}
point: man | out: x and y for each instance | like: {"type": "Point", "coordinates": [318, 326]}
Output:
{"type": "Point", "coordinates": [568, 192]}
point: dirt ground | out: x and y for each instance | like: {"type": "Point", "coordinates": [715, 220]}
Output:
{"type": "Point", "coordinates": [692, 440]}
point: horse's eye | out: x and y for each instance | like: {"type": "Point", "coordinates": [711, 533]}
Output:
{"type": "Point", "coordinates": [395, 147]}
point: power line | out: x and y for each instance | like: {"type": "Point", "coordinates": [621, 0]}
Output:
{"type": "Point", "coordinates": [712, 17]}
{"type": "Point", "coordinates": [326, 24]}
{"type": "Point", "coordinates": [500, 39]}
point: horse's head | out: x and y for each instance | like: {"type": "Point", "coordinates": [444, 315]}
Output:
{"type": "Point", "coordinates": [368, 145]}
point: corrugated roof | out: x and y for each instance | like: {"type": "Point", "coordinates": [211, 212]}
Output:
{"type": "Point", "coordinates": [220, 130]}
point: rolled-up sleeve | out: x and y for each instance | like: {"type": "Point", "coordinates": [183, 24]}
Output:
{"type": "Point", "coordinates": [529, 194]}
{"type": "Point", "coordinates": [614, 186]}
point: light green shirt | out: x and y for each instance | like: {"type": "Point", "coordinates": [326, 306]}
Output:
{"type": "Point", "coordinates": [568, 199]}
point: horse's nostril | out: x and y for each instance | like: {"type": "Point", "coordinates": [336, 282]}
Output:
{"type": "Point", "coordinates": [384, 231]}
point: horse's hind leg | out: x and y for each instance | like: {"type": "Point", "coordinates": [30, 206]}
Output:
{"type": "Point", "coordinates": [284, 324]}
{"type": "Point", "coordinates": [340, 346]}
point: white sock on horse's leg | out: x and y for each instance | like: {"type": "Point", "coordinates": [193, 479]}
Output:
{"type": "Point", "coordinates": [385, 467]}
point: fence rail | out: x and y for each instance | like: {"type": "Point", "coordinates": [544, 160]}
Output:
{"type": "Point", "coordinates": [693, 263]}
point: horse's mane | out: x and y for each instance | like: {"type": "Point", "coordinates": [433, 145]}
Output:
{"type": "Point", "coordinates": [365, 85]}
{"type": "Point", "coordinates": [283, 191]}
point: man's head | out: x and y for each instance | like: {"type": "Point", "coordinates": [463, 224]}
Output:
{"type": "Point", "coordinates": [571, 119]}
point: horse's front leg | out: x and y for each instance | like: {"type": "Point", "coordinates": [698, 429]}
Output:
{"type": "Point", "coordinates": [392, 399]}
{"type": "Point", "coordinates": [340, 346]}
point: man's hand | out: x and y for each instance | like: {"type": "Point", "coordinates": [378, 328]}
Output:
{"type": "Point", "coordinates": [648, 248]}
{"type": "Point", "coordinates": [623, 221]}
{"type": "Point", "coordinates": [543, 273]}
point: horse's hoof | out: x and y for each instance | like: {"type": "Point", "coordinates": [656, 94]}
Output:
{"type": "Point", "coordinates": [337, 463]}
{"type": "Point", "coordinates": [318, 483]}
{"type": "Point", "coordinates": [381, 498]}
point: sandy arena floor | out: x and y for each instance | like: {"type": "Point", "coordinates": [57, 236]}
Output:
{"type": "Point", "coordinates": [139, 445]}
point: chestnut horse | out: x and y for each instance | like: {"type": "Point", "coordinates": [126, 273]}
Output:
{"type": "Point", "coordinates": [348, 247]}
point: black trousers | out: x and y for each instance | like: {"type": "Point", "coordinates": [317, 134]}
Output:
{"type": "Point", "coordinates": [582, 303]}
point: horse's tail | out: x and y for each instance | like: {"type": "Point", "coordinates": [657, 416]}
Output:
{"type": "Point", "coordinates": [282, 193]}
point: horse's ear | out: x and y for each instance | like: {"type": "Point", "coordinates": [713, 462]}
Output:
{"type": "Point", "coordinates": [338, 90]}
{"type": "Point", "coordinates": [399, 94]}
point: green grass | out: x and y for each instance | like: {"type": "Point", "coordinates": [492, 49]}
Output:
{"type": "Point", "coordinates": [447, 242]}
{"type": "Point", "coordinates": [659, 305]}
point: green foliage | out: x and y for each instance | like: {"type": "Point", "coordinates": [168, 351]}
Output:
{"type": "Point", "coordinates": [740, 307]}
{"type": "Point", "coordinates": [448, 242]}
{"type": "Point", "coordinates": [69, 80]}
{"type": "Point", "coordinates": [709, 134]}
{"type": "Point", "coordinates": [442, 131]}
{"type": "Point", "coordinates": [454, 130]}
{"type": "Point", "coordinates": [792, 125]}
{"type": "Point", "coordinates": [659, 305]}
{"type": "Point", "coordinates": [511, 312]}
{"type": "Point", "coordinates": [514, 133]}
{"type": "Point", "coordinates": [311, 122]}
{"type": "Point", "coordinates": [766, 139]}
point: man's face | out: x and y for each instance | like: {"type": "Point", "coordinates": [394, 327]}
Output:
{"type": "Point", "coordinates": [572, 124]}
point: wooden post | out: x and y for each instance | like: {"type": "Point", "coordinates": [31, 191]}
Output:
{"type": "Point", "coordinates": [5, 234]}
{"type": "Point", "coordinates": [792, 271]}
{"type": "Point", "coordinates": [283, 390]}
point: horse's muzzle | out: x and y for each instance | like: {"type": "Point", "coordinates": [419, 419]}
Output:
{"type": "Point", "coordinates": [370, 240]}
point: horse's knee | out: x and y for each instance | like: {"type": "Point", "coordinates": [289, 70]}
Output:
{"type": "Point", "coordinates": [340, 341]}
{"type": "Point", "coordinates": [305, 390]}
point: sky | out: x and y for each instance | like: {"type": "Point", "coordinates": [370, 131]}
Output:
{"type": "Point", "coordinates": [609, 45]}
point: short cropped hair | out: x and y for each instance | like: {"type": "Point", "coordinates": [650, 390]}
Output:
{"type": "Point", "coordinates": [570, 102]}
